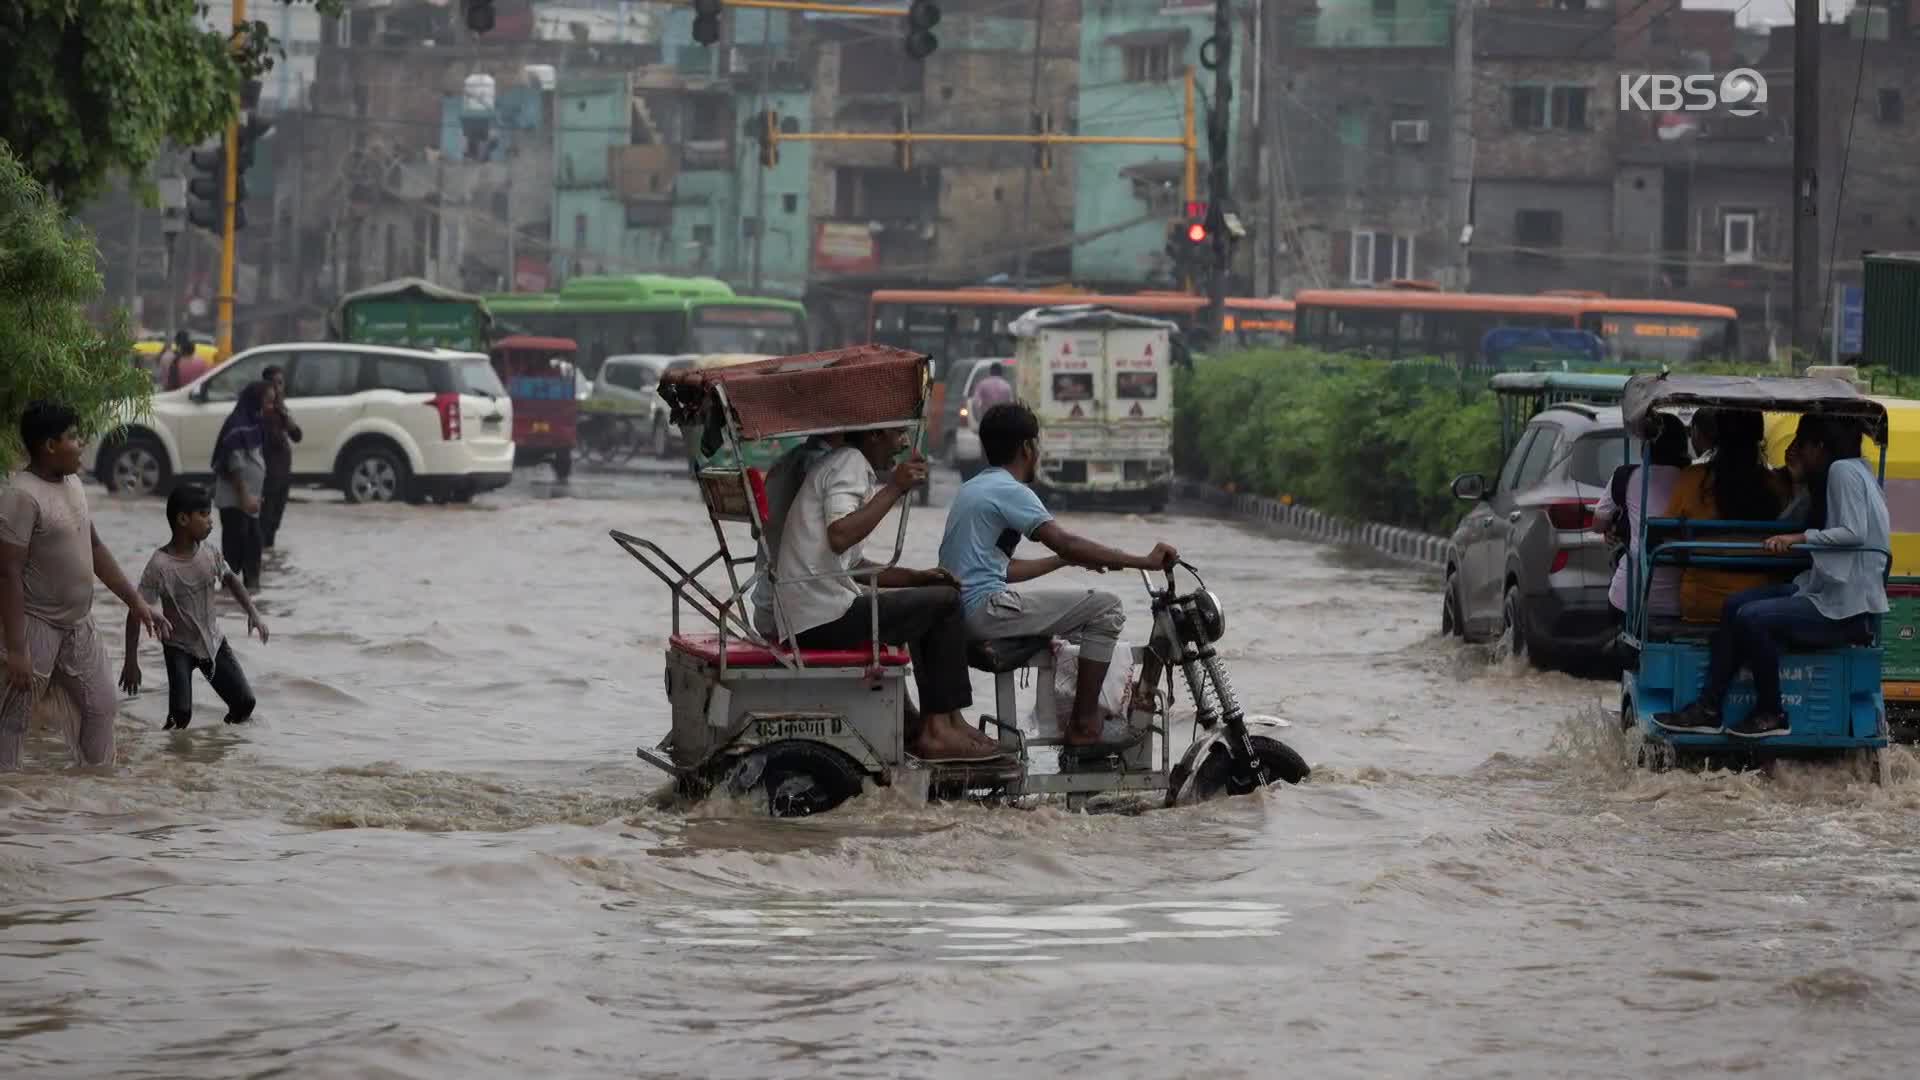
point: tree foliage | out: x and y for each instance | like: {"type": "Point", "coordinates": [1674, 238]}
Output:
{"type": "Point", "coordinates": [93, 87]}
{"type": "Point", "coordinates": [49, 349]}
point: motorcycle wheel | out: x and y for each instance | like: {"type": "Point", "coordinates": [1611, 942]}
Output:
{"type": "Point", "coordinates": [1211, 779]}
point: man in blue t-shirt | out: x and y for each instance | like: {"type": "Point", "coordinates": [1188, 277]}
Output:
{"type": "Point", "coordinates": [996, 510]}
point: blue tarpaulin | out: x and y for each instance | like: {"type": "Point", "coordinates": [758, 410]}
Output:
{"type": "Point", "coordinates": [1517, 348]}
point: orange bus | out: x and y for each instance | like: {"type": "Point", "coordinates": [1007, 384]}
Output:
{"type": "Point", "coordinates": [966, 324]}
{"type": "Point", "coordinates": [1402, 322]}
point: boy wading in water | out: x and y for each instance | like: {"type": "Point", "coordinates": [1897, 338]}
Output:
{"type": "Point", "coordinates": [49, 556]}
{"type": "Point", "coordinates": [182, 578]}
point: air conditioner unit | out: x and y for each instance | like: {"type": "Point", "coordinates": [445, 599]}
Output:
{"type": "Point", "coordinates": [1411, 132]}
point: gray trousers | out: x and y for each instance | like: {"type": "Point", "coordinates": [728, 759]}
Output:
{"type": "Point", "coordinates": [1089, 619]}
{"type": "Point", "coordinates": [72, 659]}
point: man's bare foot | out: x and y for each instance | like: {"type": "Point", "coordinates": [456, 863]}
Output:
{"type": "Point", "coordinates": [944, 739]}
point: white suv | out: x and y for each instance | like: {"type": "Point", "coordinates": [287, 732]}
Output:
{"type": "Point", "coordinates": [379, 423]}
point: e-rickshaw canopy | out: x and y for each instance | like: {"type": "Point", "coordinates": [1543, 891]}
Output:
{"type": "Point", "coordinates": [851, 389]}
{"type": "Point", "coordinates": [1647, 394]}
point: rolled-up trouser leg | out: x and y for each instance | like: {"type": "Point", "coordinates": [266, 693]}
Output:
{"type": "Point", "coordinates": [73, 659]}
{"type": "Point", "coordinates": [1089, 618]}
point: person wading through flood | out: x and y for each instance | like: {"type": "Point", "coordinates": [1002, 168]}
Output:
{"type": "Point", "coordinates": [182, 577]}
{"type": "Point", "coordinates": [49, 558]}
{"type": "Point", "coordinates": [282, 433]}
{"type": "Point", "coordinates": [823, 535]}
{"type": "Point", "coordinates": [240, 477]}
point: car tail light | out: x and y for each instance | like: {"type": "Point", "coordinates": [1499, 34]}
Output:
{"type": "Point", "coordinates": [448, 406]}
{"type": "Point", "coordinates": [1559, 561]}
{"type": "Point", "coordinates": [1571, 515]}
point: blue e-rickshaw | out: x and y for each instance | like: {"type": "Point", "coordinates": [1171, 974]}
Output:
{"type": "Point", "coordinates": [1832, 697]}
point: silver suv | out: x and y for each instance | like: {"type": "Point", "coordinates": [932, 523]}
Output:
{"type": "Point", "coordinates": [1527, 562]}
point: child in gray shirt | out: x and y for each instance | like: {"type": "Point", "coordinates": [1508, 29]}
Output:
{"type": "Point", "coordinates": [182, 577]}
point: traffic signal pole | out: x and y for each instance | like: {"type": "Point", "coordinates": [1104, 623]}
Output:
{"type": "Point", "coordinates": [227, 210]}
{"type": "Point", "coordinates": [1221, 61]}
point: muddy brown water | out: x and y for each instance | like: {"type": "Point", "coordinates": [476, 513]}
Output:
{"type": "Point", "coordinates": [433, 857]}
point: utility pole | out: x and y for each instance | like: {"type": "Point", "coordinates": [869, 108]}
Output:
{"type": "Point", "coordinates": [133, 255]}
{"type": "Point", "coordinates": [1460, 144]}
{"type": "Point", "coordinates": [229, 205]}
{"type": "Point", "coordinates": [1806, 186]}
{"type": "Point", "coordinates": [1026, 181]}
{"type": "Point", "coordinates": [1217, 53]}
{"type": "Point", "coordinates": [760, 178]}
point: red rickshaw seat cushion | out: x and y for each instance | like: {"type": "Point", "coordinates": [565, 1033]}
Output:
{"type": "Point", "coordinates": [745, 654]}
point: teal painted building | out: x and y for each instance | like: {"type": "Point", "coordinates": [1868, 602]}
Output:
{"type": "Point", "coordinates": [1134, 55]}
{"type": "Point", "coordinates": [660, 175]}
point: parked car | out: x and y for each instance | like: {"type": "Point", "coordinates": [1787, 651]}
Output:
{"type": "Point", "coordinates": [1527, 561]}
{"type": "Point", "coordinates": [381, 423]}
{"type": "Point", "coordinates": [631, 379]}
{"type": "Point", "coordinates": [964, 447]}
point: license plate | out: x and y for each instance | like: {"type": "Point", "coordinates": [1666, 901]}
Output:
{"type": "Point", "coordinates": [1105, 468]}
{"type": "Point", "coordinates": [800, 728]}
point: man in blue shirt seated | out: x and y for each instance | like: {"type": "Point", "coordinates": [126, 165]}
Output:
{"type": "Point", "coordinates": [993, 512]}
{"type": "Point", "coordinates": [1831, 604]}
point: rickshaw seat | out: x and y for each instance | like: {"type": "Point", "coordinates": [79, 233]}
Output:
{"type": "Point", "coordinates": [728, 489]}
{"type": "Point", "coordinates": [741, 653]}
{"type": "Point", "coordinates": [997, 656]}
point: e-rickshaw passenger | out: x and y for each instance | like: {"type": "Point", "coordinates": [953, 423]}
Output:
{"type": "Point", "coordinates": [1810, 643]}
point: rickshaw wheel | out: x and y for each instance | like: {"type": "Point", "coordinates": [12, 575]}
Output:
{"type": "Point", "coordinates": [1212, 779]}
{"type": "Point", "coordinates": [799, 778]}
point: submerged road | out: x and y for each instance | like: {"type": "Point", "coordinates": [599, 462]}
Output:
{"type": "Point", "coordinates": [433, 856]}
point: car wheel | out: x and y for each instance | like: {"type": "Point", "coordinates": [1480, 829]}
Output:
{"type": "Point", "coordinates": [137, 467]}
{"type": "Point", "coordinates": [1516, 636]}
{"type": "Point", "coordinates": [1451, 625]}
{"type": "Point", "coordinates": [375, 474]}
{"type": "Point", "coordinates": [1513, 633]}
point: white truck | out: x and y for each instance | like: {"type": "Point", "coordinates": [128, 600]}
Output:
{"type": "Point", "coordinates": [1101, 382]}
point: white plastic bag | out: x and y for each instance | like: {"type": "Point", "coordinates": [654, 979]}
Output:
{"type": "Point", "coordinates": [1115, 692]}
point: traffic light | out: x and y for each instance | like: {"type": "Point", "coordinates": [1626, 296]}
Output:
{"type": "Point", "coordinates": [1189, 245]}
{"type": "Point", "coordinates": [922, 17]}
{"type": "Point", "coordinates": [207, 189]}
{"type": "Point", "coordinates": [1197, 230]}
{"type": "Point", "coordinates": [1043, 152]}
{"type": "Point", "coordinates": [480, 16]}
{"type": "Point", "coordinates": [706, 21]}
{"type": "Point", "coordinates": [766, 131]}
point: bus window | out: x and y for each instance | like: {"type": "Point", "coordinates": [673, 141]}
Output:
{"type": "Point", "coordinates": [741, 328]}
{"type": "Point", "coordinates": [1664, 339]}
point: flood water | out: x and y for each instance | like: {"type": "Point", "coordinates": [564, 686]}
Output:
{"type": "Point", "coordinates": [434, 857]}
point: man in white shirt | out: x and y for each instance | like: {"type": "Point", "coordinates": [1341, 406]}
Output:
{"type": "Point", "coordinates": [824, 607]}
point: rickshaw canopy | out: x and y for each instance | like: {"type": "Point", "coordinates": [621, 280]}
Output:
{"type": "Point", "coordinates": [1647, 394]}
{"type": "Point", "coordinates": [851, 389]}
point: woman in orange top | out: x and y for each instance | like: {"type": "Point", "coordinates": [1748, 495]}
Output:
{"type": "Point", "coordinates": [1732, 485]}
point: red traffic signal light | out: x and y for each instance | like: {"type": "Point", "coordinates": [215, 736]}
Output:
{"type": "Point", "coordinates": [1196, 232]}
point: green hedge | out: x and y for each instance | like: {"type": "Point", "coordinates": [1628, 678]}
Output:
{"type": "Point", "coordinates": [1363, 439]}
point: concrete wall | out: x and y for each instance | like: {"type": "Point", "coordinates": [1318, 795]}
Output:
{"type": "Point", "coordinates": [1586, 223]}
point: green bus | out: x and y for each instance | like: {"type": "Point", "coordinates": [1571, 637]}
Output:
{"type": "Point", "coordinates": [618, 314]}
